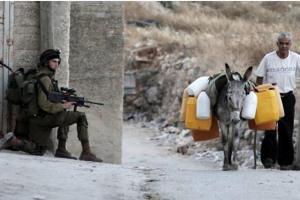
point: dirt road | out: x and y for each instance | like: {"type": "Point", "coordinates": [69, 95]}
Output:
{"type": "Point", "coordinates": [174, 176]}
{"type": "Point", "coordinates": [148, 172]}
{"type": "Point", "coordinates": [139, 150]}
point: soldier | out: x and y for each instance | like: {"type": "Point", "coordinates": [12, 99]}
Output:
{"type": "Point", "coordinates": [51, 115]}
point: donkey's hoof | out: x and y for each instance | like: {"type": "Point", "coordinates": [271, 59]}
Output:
{"type": "Point", "coordinates": [234, 167]}
{"type": "Point", "coordinates": [226, 167]}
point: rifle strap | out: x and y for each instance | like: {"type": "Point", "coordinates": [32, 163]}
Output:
{"type": "Point", "coordinates": [41, 84]}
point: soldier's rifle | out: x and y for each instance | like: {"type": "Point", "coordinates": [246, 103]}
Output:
{"type": "Point", "coordinates": [68, 95]}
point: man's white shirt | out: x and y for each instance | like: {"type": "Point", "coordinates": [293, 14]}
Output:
{"type": "Point", "coordinates": [281, 71]}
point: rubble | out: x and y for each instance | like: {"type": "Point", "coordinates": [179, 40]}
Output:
{"type": "Point", "coordinates": [181, 141]}
{"type": "Point", "coordinates": [161, 78]}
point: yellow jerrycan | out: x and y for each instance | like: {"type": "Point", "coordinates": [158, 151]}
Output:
{"type": "Point", "coordinates": [185, 97]}
{"type": "Point", "coordinates": [212, 133]}
{"type": "Point", "coordinates": [267, 108]}
{"type": "Point", "coordinates": [279, 101]}
{"type": "Point", "coordinates": [278, 98]}
{"type": "Point", "coordinates": [262, 127]}
{"type": "Point", "coordinates": [192, 122]}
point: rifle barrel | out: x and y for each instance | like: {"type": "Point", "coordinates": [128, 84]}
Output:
{"type": "Point", "coordinates": [101, 104]}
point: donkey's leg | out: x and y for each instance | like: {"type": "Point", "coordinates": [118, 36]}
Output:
{"type": "Point", "coordinates": [231, 147]}
{"type": "Point", "coordinates": [236, 143]}
{"type": "Point", "coordinates": [230, 143]}
{"type": "Point", "coordinates": [224, 131]}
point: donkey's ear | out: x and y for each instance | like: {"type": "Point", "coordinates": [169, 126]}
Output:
{"type": "Point", "coordinates": [228, 72]}
{"type": "Point", "coordinates": [247, 74]}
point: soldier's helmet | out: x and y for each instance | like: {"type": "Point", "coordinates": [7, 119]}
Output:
{"type": "Point", "coordinates": [48, 55]}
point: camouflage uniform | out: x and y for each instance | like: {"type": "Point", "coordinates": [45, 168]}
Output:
{"type": "Point", "coordinates": [51, 115]}
{"type": "Point", "coordinates": [22, 125]}
{"type": "Point", "coordinates": [47, 115]}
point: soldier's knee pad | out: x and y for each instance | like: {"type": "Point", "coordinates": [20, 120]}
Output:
{"type": "Point", "coordinates": [82, 120]}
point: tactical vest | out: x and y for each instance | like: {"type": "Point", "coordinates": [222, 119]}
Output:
{"type": "Point", "coordinates": [28, 93]}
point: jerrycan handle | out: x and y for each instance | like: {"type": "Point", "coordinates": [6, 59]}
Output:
{"type": "Point", "coordinates": [256, 90]}
{"type": "Point", "coordinates": [264, 90]}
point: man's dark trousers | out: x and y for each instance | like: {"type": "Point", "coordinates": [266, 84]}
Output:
{"type": "Point", "coordinates": [283, 153]}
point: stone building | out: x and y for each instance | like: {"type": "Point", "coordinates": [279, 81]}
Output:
{"type": "Point", "coordinates": [91, 38]}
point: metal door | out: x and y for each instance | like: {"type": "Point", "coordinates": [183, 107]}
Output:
{"type": "Point", "coordinates": [6, 48]}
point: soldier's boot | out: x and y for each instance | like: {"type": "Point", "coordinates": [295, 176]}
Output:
{"type": "Point", "coordinates": [62, 152]}
{"type": "Point", "coordinates": [9, 140]}
{"type": "Point", "coordinates": [86, 153]}
{"type": "Point", "coordinates": [89, 157]}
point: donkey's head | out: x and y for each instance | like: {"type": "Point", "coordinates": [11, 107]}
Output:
{"type": "Point", "coordinates": [236, 93]}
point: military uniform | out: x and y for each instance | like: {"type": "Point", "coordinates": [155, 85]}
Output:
{"type": "Point", "coordinates": [22, 125]}
{"type": "Point", "coordinates": [52, 115]}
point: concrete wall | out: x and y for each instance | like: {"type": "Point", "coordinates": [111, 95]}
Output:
{"type": "Point", "coordinates": [96, 71]}
{"type": "Point", "coordinates": [61, 10]}
{"type": "Point", "coordinates": [26, 41]}
{"type": "Point", "coordinates": [55, 34]}
{"type": "Point", "coordinates": [26, 34]}
{"type": "Point", "coordinates": [95, 63]}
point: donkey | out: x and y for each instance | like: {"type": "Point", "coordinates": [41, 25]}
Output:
{"type": "Point", "coordinates": [228, 110]}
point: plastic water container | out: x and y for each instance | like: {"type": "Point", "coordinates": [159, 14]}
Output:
{"type": "Point", "coordinates": [279, 101]}
{"type": "Point", "coordinates": [191, 121]}
{"type": "Point", "coordinates": [250, 105]}
{"type": "Point", "coordinates": [267, 108]}
{"type": "Point", "coordinates": [278, 98]}
{"type": "Point", "coordinates": [185, 97]}
{"type": "Point", "coordinates": [198, 85]}
{"type": "Point", "coordinates": [263, 127]}
{"type": "Point", "coordinates": [203, 106]}
{"type": "Point", "coordinates": [264, 87]}
{"type": "Point", "coordinates": [212, 133]}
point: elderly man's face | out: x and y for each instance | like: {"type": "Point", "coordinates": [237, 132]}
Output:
{"type": "Point", "coordinates": [284, 45]}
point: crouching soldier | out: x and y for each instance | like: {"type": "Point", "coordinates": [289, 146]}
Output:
{"type": "Point", "coordinates": [51, 115]}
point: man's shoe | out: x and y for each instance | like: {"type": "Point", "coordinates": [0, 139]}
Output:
{"type": "Point", "coordinates": [284, 167]}
{"type": "Point", "coordinates": [89, 157]}
{"type": "Point", "coordinates": [268, 162]}
{"type": "Point", "coordinates": [9, 140]}
{"type": "Point", "coordinates": [61, 153]}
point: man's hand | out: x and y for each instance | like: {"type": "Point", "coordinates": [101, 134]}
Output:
{"type": "Point", "coordinates": [68, 105]}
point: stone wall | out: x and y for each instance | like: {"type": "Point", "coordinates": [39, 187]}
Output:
{"type": "Point", "coordinates": [96, 72]}
{"type": "Point", "coordinates": [26, 34]}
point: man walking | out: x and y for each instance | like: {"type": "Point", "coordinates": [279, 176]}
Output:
{"type": "Point", "coordinates": [280, 67]}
